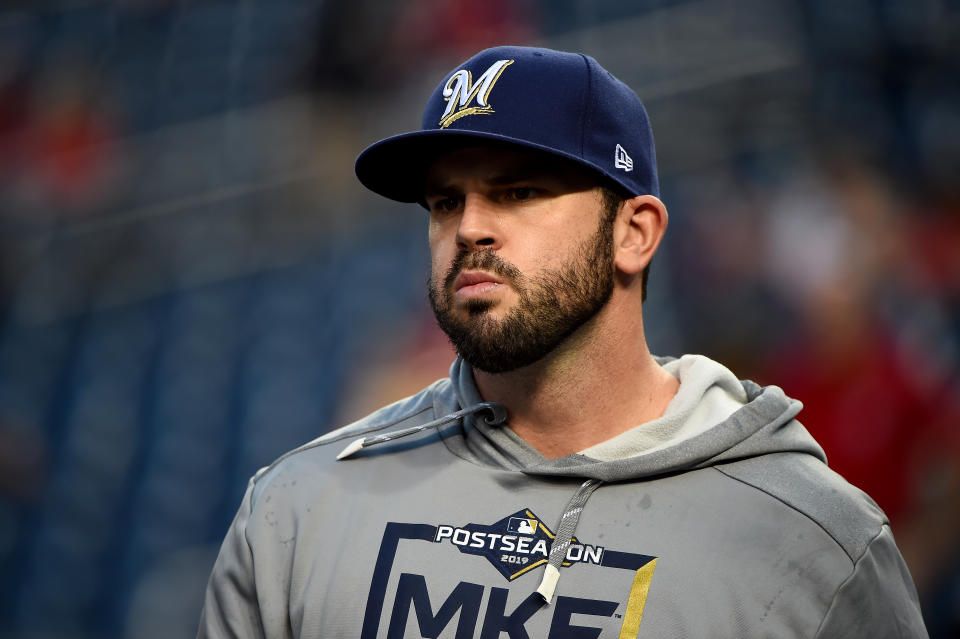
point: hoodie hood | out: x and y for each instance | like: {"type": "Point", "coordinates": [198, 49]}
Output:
{"type": "Point", "coordinates": [753, 421]}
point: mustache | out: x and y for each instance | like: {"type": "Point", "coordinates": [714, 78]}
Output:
{"type": "Point", "coordinates": [484, 260]}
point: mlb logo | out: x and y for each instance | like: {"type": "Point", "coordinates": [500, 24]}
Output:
{"type": "Point", "coordinates": [522, 526]}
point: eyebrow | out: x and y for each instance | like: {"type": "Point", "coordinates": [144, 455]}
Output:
{"type": "Point", "coordinates": [520, 173]}
{"type": "Point", "coordinates": [511, 175]}
{"type": "Point", "coordinates": [438, 187]}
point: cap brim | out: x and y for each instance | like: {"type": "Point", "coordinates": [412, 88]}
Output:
{"type": "Point", "coordinates": [396, 167]}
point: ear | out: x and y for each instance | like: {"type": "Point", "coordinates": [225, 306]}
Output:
{"type": "Point", "coordinates": [640, 226]}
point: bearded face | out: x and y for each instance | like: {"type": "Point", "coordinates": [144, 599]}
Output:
{"type": "Point", "coordinates": [551, 305]}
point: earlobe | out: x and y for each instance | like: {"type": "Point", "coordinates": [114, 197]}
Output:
{"type": "Point", "coordinates": [641, 223]}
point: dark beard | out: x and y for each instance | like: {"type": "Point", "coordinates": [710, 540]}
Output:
{"type": "Point", "coordinates": [551, 307]}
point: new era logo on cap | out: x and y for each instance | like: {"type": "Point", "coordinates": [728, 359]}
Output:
{"type": "Point", "coordinates": [621, 160]}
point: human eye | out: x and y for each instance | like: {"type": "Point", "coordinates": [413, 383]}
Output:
{"type": "Point", "coordinates": [520, 193]}
{"type": "Point", "coordinates": [444, 204]}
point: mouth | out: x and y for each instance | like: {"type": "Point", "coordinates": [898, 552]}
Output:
{"type": "Point", "coordinates": [472, 284]}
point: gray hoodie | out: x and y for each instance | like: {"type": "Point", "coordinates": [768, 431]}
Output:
{"type": "Point", "coordinates": [720, 519]}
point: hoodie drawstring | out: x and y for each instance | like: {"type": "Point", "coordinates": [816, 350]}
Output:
{"type": "Point", "coordinates": [564, 537]}
{"type": "Point", "coordinates": [497, 415]}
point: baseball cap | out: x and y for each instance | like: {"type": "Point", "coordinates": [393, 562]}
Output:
{"type": "Point", "coordinates": [561, 103]}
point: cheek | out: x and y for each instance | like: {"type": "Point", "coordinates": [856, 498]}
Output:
{"type": "Point", "coordinates": [440, 260]}
{"type": "Point", "coordinates": [437, 272]}
{"type": "Point", "coordinates": [443, 247]}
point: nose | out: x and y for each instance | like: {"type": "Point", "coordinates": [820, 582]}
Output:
{"type": "Point", "coordinates": [479, 224]}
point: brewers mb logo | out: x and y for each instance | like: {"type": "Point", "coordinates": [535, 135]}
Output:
{"type": "Point", "coordinates": [460, 91]}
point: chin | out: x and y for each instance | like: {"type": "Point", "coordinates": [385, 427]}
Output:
{"type": "Point", "coordinates": [476, 307]}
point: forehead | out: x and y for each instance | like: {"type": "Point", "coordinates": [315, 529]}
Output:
{"type": "Point", "coordinates": [505, 164]}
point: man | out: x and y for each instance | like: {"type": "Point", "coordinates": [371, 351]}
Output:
{"type": "Point", "coordinates": [562, 482]}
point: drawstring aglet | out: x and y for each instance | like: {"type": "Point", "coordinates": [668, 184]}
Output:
{"type": "Point", "coordinates": [353, 447]}
{"type": "Point", "coordinates": [548, 585]}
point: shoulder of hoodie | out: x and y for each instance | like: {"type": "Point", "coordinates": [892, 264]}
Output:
{"type": "Point", "coordinates": [806, 484]}
{"type": "Point", "coordinates": [318, 455]}
{"type": "Point", "coordinates": [798, 477]}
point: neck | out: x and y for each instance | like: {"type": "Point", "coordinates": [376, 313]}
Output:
{"type": "Point", "coordinates": [594, 386]}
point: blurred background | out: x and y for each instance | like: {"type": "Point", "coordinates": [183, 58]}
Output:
{"type": "Point", "coordinates": [192, 281]}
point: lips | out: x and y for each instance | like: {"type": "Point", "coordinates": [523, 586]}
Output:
{"type": "Point", "coordinates": [474, 278]}
{"type": "Point", "coordinates": [475, 284]}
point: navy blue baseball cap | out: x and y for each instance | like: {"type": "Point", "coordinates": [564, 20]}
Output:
{"type": "Point", "coordinates": [564, 104]}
